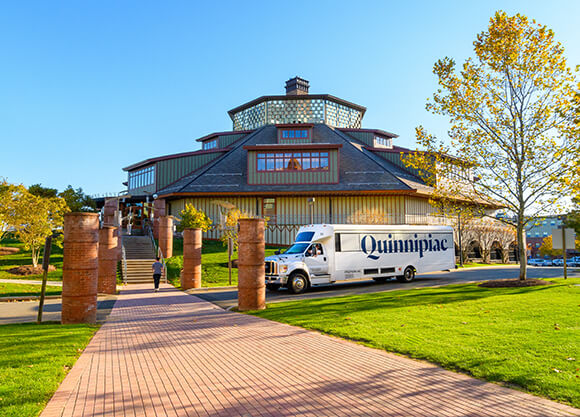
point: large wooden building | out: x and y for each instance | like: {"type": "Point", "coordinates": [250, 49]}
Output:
{"type": "Point", "coordinates": [296, 158]}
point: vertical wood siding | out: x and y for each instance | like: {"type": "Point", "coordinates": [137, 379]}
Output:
{"type": "Point", "coordinates": [227, 140]}
{"type": "Point", "coordinates": [170, 170]}
{"type": "Point", "coordinates": [292, 212]}
{"type": "Point", "coordinates": [365, 137]}
{"type": "Point", "coordinates": [395, 158]}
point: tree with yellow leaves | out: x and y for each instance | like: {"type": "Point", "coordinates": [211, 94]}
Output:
{"type": "Point", "coordinates": [513, 124]}
{"type": "Point", "coordinates": [35, 218]}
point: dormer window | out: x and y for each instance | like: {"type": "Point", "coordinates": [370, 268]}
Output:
{"type": "Point", "coordinates": [381, 142]}
{"type": "Point", "coordinates": [210, 144]}
{"type": "Point", "coordinates": [294, 133]}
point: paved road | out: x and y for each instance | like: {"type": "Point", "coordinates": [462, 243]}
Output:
{"type": "Point", "coordinates": [26, 311]}
{"type": "Point", "coordinates": [229, 298]}
{"type": "Point", "coordinates": [170, 354]}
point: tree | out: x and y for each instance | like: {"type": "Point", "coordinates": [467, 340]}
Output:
{"type": "Point", "coordinates": [193, 218]}
{"type": "Point", "coordinates": [77, 200]}
{"type": "Point", "coordinates": [35, 218]}
{"type": "Point", "coordinates": [40, 191]}
{"type": "Point", "coordinates": [8, 197]}
{"type": "Point", "coordinates": [512, 115]}
{"type": "Point", "coordinates": [229, 228]}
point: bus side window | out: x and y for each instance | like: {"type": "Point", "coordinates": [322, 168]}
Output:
{"type": "Point", "coordinates": [337, 242]}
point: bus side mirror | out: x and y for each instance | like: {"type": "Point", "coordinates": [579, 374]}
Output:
{"type": "Point", "coordinates": [277, 252]}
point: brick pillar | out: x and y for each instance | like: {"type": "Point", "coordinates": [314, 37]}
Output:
{"type": "Point", "coordinates": [80, 268]}
{"type": "Point", "coordinates": [191, 276]}
{"type": "Point", "coordinates": [158, 212]}
{"type": "Point", "coordinates": [166, 236]}
{"type": "Point", "coordinates": [109, 211]}
{"type": "Point", "coordinates": [107, 283]}
{"type": "Point", "coordinates": [251, 273]}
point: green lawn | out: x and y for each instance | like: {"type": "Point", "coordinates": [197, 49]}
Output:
{"type": "Point", "coordinates": [24, 258]}
{"type": "Point", "coordinates": [214, 264]}
{"type": "Point", "coordinates": [526, 337]}
{"type": "Point", "coordinates": [476, 264]}
{"type": "Point", "coordinates": [34, 359]}
{"type": "Point", "coordinates": [17, 290]}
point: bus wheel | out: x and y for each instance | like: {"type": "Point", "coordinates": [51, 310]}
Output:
{"type": "Point", "coordinates": [297, 283]}
{"type": "Point", "coordinates": [272, 287]}
{"type": "Point", "coordinates": [408, 275]}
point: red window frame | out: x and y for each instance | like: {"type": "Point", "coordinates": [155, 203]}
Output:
{"type": "Point", "coordinates": [284, 161]}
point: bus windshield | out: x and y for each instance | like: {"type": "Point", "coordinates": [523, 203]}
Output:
{"type": "Point", "coordinates": [296, 248]}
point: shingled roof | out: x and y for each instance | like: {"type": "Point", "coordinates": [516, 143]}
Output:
{"type": "Point", "coordinates": [360, 170]}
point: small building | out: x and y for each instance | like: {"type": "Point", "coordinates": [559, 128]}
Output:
{"type": "Point", "coordinates": [296, 159]}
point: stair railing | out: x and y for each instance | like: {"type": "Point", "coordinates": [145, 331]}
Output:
{"type": "Point", "coordinates": [149, 230]}
{"type": "Point", "coordinates": [124, 263]}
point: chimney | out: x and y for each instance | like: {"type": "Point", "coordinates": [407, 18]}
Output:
{"type": "Point", "coordinates": [297, 86]}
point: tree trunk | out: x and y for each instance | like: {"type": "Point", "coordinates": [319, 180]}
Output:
{"type": "Point", "coordinates": [35, 253]}
{"type": "Point", "coordinates": [522, 250]}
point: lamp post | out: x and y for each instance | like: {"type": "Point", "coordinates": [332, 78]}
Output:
{"type": "Point", "coordinates": [311, 201]}
{"type": "Point", "coordinates": [459, 236]}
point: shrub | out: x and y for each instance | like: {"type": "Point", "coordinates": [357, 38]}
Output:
{"type": "Point", "coordinates": [193, 218]}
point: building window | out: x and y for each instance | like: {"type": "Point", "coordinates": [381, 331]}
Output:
{"type": "Point", "coordinates": [292, 161]}
{"type": "Point", "coordinates": [294, 133]}
{"type": "Point", "coordinates": [383, 142]}
{"type": "Point", "coordinates": [210, 144]}
{"type": "Point", "coordinates": [269, 209]}
{"type": "Point", "coordinates": [142, 177]}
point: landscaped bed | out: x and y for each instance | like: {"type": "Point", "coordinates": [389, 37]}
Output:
{"type": "Point", "coordinates": [34, 359]}
{"type": "Point", "coordinates": [527, 337]}
{"type": "Point", "coordinates": [24, 258]}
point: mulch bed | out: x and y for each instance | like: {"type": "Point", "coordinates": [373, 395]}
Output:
{"type": "Point", "coordinates": [8, 250]}
{"type": "Point", "coordinates": [504, 283]}
{"type": "Point", "coordinates": [29, 270]}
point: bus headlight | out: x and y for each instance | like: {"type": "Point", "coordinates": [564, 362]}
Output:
{"type": "Point", "coordinates": [283, 269]}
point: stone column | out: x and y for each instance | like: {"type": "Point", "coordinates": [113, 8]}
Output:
{"type": "Point", "coordinates": [107, 283]}
{"type": "Point", "coordinates": [191, 276]}
{"type": "Point", "coordinates": [158, 212]}
{"type": "Point", "coordinates": [80, 268]}
{"type": "Point", "coordinates": [251, 273]}
{"type": "Point", "coordinates": [166, 236]}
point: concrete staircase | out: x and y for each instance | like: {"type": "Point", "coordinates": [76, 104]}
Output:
{"type": "Point", "coordinates": [140, 255]}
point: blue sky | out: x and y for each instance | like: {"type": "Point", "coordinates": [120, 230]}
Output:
{"type": "Point", "coordinates": [89, 87]}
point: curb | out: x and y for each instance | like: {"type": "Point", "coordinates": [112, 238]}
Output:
{"type": "Point", "coordinates": [208, 289]}
{"type": "Point", "coordinates": [30, 298]}
{"type": "Point", "coordinates": [47, 297]}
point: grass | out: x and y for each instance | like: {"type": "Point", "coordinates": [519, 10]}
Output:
{"type": "Point", "coordinates": [24, 258]}
{"type": "Point", "coordinates": [22, 290]}
{"type": "Point", "coordinates": [214, 264]}
{"type": "Point", "coordinates": [525, 337]}
{"type": "Point", "coordinates": [34, 359]}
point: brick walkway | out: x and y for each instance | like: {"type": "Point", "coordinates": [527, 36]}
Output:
{"type": "Point", "coordinates": [171, 354]}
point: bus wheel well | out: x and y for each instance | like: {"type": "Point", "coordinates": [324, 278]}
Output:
{"type": "Point", "coordinates": [408, 274]}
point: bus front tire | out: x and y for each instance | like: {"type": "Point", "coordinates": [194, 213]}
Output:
{"type": "Point", "coordinates": [408, 275]}
{"type": "Point", "coordinates": [297, 283]}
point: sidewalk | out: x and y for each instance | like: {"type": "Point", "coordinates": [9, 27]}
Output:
{"type": "Point", "coordinates": [172, 354]}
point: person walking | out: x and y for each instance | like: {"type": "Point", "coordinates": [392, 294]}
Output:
{"type": "Point", "coordinates": [157, 268]}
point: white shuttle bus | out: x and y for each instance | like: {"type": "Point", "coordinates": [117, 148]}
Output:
{"type": "Point", "coordinates": [327, 253]}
